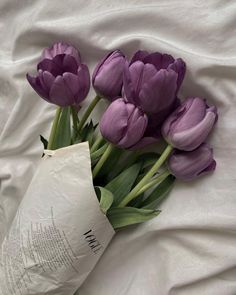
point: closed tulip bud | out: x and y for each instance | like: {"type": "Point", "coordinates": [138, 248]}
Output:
{"type": "Point", "coordinates": [108, 75]}
{"type": "Point", "coordinates": [189, 125]}
{"type": "Point", "coordinates": [61, 79]}
{"type": "Point", "coordinates": [189, 165]}
{"type": "Point", "coordinates": [151, 81]}
{"type": "Point", "coordinates": [123, 124]}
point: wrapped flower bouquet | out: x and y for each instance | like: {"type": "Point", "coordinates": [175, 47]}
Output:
{"type": "Point", "coordinates": [97, 178]}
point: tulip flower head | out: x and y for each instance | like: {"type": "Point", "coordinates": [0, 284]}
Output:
{"type": "Point", "coordinates": [61, 79]}
{"type": "Point", "coordinates": [190, 124]}
{"type": "Point", "coordinates": [151, 81]}
{"type": "Point", "coordinates": [123, 124]}
{"type": "Point", "coordinates": [189, 165]}
{"type": "Point", "coordinates": [108, 75]}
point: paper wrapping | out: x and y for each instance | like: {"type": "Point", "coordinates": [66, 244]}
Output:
{"type": "Point", "coordinates": [59, 231]}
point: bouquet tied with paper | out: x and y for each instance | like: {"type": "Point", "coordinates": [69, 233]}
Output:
{"type": "Point", "coordinates": [95, 179]}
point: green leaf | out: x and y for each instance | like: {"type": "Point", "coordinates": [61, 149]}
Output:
{"type": "Point", "coordinates": [111, 162]}
{"type": "Point", "coordinates": [159, 193]}
{"type": "Point", "coordinates": [121, 217]}
{"type": "Point", "coordinates": [63, 132]}
{"type": "Point", "coordinates": [122, 184]}
{"type": "Point", "coordinates": [147, 161]}
{"type": "Point", "coordinates": [137, 201]}
{"type": "Point", "coordinates": [105, 197]}
{"type": "Point", "coordinates": [44, 141]}
{"type": "Point", "coordinates": [127, 159]}
{"type": "Point", "coordinates": [130, 158]}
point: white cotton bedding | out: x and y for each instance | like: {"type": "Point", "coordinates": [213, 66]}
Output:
{"type": "Point", "coordinates": [191, 247]}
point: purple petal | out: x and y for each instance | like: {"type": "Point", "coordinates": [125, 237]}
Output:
{"type": "Point", "coordinates": [160, 61]}
{"type": "Point", "coordinates": [50, 66]}
{"type": "Point", "coordinates": [179, 67]}
{"type": "Point", "coordinates": [190, 139]}
{"type": "Point", "coordinates": [209, 168]}
{"type": "Point", "coordinates": [136, 72]}
{"type": "Point", "coordinates": [106, 59]}
{"type": "Point", "coordinates": [189, 165]}
{"type": "Point", "coordinates": [128, 88]}
{"type": "Point", "coordinates": [61, 48]}
{"type": "Point", "coordinates": [138, 75]}
{"type": "Point", "coordinates": [107, 77]}
{"type": "Point", "coordinates": [70, 50]}
{"type": "Point", "coordinates": [159, 92]}
{"type": "Point", "coordinates": [47, 80]}
{"type": "Point", "coordinates": [137, 124]}
{"type": "Point", "coordinates": [148, 72]}
{"type": "Point", "coordinates": [195, 111]}
{"type": "Point", "coordinates": [69, 64]}
{"type": "Point", "coordinates": [37, 86]}
{"type": "Point", "coordinates": [72, 83]}
{"type": "Point", "coordinates": [168, 124]}
{"type": "Point", "coordinates": [59, 65]}
{"type": "Point", "coordinates": [114, 121]}
{"type": "Point", "coordinates": [84, 83]}
{"type": "Point", "coordinates": [60, 94]}
{"type": "Point", "coordinates": [213, 109]}
{"type": "Point", "coordinates": [139, 55]}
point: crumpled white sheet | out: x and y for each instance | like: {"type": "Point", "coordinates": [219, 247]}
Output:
{"type": "Point", "coordinates": [190, 248]}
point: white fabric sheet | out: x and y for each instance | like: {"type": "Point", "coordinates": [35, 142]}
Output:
{"type": "Point", "coordinates": [190, 248]}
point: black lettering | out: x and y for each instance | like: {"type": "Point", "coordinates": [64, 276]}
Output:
{"type": "Point", "coordinates": [85, 234]}
{"type": "Point", "coordinates": [93, 243]}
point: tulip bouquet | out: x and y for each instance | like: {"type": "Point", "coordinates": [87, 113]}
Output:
{"type": "Point", "coordinates": [146, 138]}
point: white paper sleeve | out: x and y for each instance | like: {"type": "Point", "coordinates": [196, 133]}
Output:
{"type": "Point", "coordinates": [59, 231]}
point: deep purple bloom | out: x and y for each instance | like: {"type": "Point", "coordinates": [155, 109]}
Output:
{"type": "Point", "coordinates": [61, 79]}
{"type": "Point", "coordinates": [108, 75]}
{"type": "Point", "coordinates": [123, 124]}
{"type": "Point", "coordinates": [189, 125]}
{"type": "Point", "coordinates": [189, 165]}
{"type": "Point", "coordinates": [151, 81]}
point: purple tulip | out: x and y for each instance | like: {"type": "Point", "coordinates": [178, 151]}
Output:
{"type": "Point", "coordinates": [61, 79]}
{"type": "Point", "coordinates": [123, 124]}
{"type": "Point", "coordinates": [189, 125]}
{"type": "Point", "coordinates": [151, 81]}
{"type": "Point", "coordinates": [108, 75]}
{"type": "Point", "coordinates": [190, 165]}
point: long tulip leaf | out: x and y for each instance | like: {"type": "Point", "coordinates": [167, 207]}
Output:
{"type": "Point", "coordinates": [121, 217]}
{"type": "Point", "coordinates": [158, 194]}
{"type": "Point", "coordinates": [105, 197]}
{"type": "Point", "coordinates": [122, 184]}
{"type": "Point", "coordinates": [63, 132]}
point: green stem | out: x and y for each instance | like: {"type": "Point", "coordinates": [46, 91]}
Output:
{"type": "Point", "coordinates": [102, 160]}
{"type": "Point", "coordinates": [88, 112]}
{"type": "Point", "coordinates": [54, 128]}
{"type": "Point", "coordinates": [96, 144]}
{"type": "Point", "coordinates": [147, 177]}
{"type": "Point", "coordinates": [75, 121]}
{"type": "Point", "coordinates": [153, 182]}
{"type": "Point", "coordinates": [99, 152]}
{"type": "Point", "coordinates": [74, 116]}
